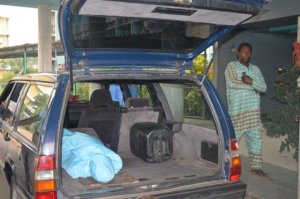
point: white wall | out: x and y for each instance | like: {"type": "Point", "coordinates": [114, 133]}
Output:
{"type": "Point", "coordinates": [23, 24]}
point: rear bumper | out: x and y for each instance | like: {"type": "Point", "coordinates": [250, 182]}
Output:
{"type": "Point", "coordinates": [228, 190]}
{"type": "Point", "coordinates": [225, 191]}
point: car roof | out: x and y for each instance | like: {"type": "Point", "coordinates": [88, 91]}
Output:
{"type": "Point", "coordinates": [39, 77]}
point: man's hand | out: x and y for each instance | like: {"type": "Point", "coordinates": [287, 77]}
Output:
{"type": "Point", "coordinates": [246, 79]}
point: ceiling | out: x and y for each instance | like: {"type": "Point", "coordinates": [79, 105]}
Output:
{"type": "Point", "coordinates": [31, 3]}
{"type": "Point", "coordinates": [277, 9]}
{"type": "Point", "coordinates": [277, 16]}
{"type": "Point", "coordinates": [273, 10]}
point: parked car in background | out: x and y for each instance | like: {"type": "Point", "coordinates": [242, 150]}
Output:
{"type": "Point", "coordinates": [126, 86]}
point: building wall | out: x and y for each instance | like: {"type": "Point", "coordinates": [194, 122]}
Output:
{"type": "Point", "coordinates": [3, 32]}
{"type": "Point", "coordinates": [270, 51]}
{"type": "Point", "coordinates": [22, 26]}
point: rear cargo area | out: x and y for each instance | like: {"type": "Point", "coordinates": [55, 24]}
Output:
{"type": "Point", "coordinates": [191, 147]}
{"type": "Point", "coordinates": [185, 164]}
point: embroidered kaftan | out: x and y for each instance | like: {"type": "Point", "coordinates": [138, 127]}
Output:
{"type": "Point", "coordinates": [244, 106]}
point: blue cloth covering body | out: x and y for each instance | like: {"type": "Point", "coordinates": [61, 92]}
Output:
{"type": "Point", "coordinates": [86, 156]}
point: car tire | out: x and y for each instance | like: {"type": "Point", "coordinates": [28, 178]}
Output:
{"type": "Point", "coordinates": [13, 189]}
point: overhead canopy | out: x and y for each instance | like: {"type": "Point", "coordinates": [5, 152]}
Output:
{"type": "Point", "coordinates": [31, 3]}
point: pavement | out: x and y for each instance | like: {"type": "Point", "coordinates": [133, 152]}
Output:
{"type": "Point", "coordinates": [281, 183]}
{"type": "Point", "coordinates": [281, 167]}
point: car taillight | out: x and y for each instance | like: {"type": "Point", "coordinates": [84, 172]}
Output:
{"type": "Point", "coordinates": [46, 195]}
{"type": "Point", "coordinates": [45, 163]}
{"type": "Point", "coordinates": [234, 145]}
{"type": "Point", "coordinates": [235, 163]}
{"type": "Point", "coordinates": [45, 178]}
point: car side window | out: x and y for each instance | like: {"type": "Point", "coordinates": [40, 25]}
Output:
{"type": "Point", "coordinates": [140, 92]}
{"type": "Point", "coordinates": [33, 111]}
{"type": "Point", "coordinates": [188, 105]}
{"type": "Point", "coordinates": [116, 94]}
{"type": "Point", "coordinates": [5, 98]}
{"type": "Point", "coordinates": [12, 103]}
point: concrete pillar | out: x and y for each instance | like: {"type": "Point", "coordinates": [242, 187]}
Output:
{"type": "Point", "coordinates": [24, 61]}
{"type": "Point", "coordinates": [44, 41]}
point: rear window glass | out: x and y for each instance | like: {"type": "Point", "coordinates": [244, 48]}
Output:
{"type": "Point", "coordinates": [130, 95]}
{"type": "Point", "coordinates": [188, 105]}
{"type": "Point", "coordinates": [115, 32]}
{"type": "Point", "coordinates": [123, 95]}
{"type": "Point", "coordinates": [139, 96]}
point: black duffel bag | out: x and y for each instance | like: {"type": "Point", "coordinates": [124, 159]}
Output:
{"type": "Point", "coordinates": [150, 141]}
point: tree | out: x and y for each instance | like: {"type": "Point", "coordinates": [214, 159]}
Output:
{"type": "Point", "coordinates": [4, 78]}
{"type": "Point", "coordinates": [193, 100]}
{"type": "Point", "coordinates": [82, 91]}
{"type": "Point", "coordinates": [17, 64]}
{"type": "Point", "coordinates": [199, 67]}
{"type": "Point", "coordinates": [284, 121]}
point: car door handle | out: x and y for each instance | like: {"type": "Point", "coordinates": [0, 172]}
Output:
{"type": "Point", "coordinates": [6, 137]}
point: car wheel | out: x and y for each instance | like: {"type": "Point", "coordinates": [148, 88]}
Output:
{"type": "Point", "coordinates": [13, 189]}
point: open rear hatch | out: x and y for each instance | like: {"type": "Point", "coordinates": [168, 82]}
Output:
{"type": "Point", "coordinates": [146, 33]}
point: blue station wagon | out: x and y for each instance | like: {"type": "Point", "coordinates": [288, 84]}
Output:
{"type": "Point", "coordinates": [128, 87]}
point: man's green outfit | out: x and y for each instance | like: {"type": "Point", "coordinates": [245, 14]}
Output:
{"type": "Point", "coordinates": [244, 107]}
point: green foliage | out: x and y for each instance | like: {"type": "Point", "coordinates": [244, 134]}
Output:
{"type": "Point", "coordinates": [31, 70]}
{"type": "Point", "coordinates": [286, 84]}
{"type": "Point", "coordinates": [199, 67]}
{"type": "Point", "coordinates": [4, 79]}
{"type": "Point", "coordinates": [17, 64]}
{"type": "Point", "coordinates": [82, 91]}
{"type": "Point", "coordinates": [284, 120]}
{"type": "Point", "coordinates": [143, 91]}
{"type": "Point", "coordinates": [193, 102]}
{"type": "Point", "coordinates": [6, 76]}
{"type": "Point", "coordinates": [194, 105]}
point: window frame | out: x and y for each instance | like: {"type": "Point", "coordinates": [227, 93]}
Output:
{"type": "Point", "coordinates": [6, 98]}
{"type": "Point", "coordinates": [19, 134]}
{"type": "Point", "coordinates": [11, 124]}
{"type": "Point", "coordinates": [19, 101]}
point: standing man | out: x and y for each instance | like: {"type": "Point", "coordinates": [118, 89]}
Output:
{"type": "Point", "coordinates": [244, 83]}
